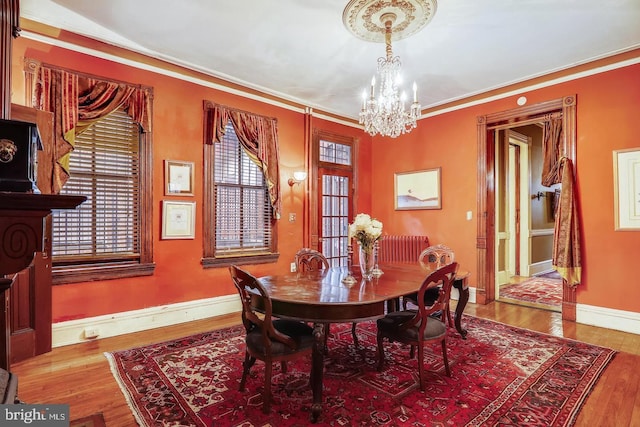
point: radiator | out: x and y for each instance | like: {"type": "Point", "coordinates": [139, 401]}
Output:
{"type": "Point", "coordinates": [401, 248]}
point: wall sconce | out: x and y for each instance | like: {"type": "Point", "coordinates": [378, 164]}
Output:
{"type": "Point", "coordinates": [298, 177]}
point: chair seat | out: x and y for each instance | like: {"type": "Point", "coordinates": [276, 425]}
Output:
{"type": "Point", "coordinates": [429, 296]}
{"type": "Point", "coordinates": [391, 324]}
{"type": "Point", "coordinates": [300, 332]}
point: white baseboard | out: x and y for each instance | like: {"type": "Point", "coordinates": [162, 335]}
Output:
{"type": "Point", "coordinates": [455, 294]}
{"type": "Point", "coordinates": [540, 267]}
{"type": "Point", "coordinates": [626, 321]}
{"type": "Point", "coordinates": [80, 330]}
{"type": "Point", "coordinates": [73, 331]}
{"type": "Point", "coordinates": [111, 325]}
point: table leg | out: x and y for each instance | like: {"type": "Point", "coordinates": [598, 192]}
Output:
{"type": "Point", "coordinates": [317, 369]}
{"type": "Point", "coordinates": [462, 303]}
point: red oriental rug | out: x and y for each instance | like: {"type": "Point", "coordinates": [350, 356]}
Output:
{"type": "Point", "coordinates": [539, 290]}
{"type": "Point", "coordinates": [501, 375]}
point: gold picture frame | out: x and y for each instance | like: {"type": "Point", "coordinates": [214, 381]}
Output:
{"type": "Point", "coordinates": [178, 178]}
{"type": "Point", "coordinates": [178, 220]}
{"type": "Point", "coordinates": [418, 190]}
{"type": "Point", "coordinates": [626, 192]}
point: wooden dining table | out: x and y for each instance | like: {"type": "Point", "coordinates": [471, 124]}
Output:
{"type": "Point", "coordinates": [321, 297]}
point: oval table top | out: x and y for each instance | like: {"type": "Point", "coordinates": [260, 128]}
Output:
{"type": "Point", "coordinates": [321, 296]}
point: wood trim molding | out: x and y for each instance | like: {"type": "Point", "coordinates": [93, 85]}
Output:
{"type": "Point", "coordinates": [485, 239]}
{"type": "Point", "coordinates": [9, 30]}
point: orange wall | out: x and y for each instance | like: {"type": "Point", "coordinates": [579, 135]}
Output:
{"type": "Point", "coordinates": [177, 135]}
{"type": "Point", "coordinates": [607, 111]}
{"type": "Point", "coordinates": [607, 105]}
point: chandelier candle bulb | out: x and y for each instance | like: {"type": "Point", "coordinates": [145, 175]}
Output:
{"type": "Point", "coordinates": [415, 92]}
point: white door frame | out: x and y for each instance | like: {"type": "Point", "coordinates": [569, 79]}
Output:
{"type": "Point", "coordinates": [508, 236]}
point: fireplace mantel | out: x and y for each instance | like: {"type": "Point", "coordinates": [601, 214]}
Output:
{"type": "Point", "coordinates": [22, 218]}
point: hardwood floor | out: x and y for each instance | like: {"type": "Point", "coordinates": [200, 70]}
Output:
{"type": "Point", "coordinates": [80, 374]}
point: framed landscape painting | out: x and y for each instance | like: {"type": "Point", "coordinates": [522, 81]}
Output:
{"type": "Point", "coordinates": [418, 190]}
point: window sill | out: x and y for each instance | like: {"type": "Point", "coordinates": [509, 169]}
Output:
{"type": "Point", "coordinates": [239, 260]}
{"type": "Point", "coordinates": [94, 272]}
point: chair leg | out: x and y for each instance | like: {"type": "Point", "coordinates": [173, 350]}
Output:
{"type": "Point", "coordinates": [266, 394]}
{"type": "Point", "coordinates": [248, 363]}
{"type": "Point", "coordinates": [353, 332]}
{"type": "Point", "coordinates": [444, 356]}
{"type": "Point", "coordinates": [380, 338]}
{"type": "Point", "coordinates": [326, 337]}
{"type": "Point", "coordinates": [449, 319]}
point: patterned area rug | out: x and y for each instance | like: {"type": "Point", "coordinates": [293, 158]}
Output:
{"type": "Point", "coordinates": [539, 290]}
{"type": "Point", "coordinates": [501, 375]}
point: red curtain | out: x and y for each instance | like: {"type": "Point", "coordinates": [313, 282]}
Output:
{"type": "Point", "coordinates": [79, 101]}
{"type": "Point", "coordinates": [558, 169]}
{"type": "Point", "coordinates": [552, 136]}
{"type": "Point", "coordinates": [566, 249]}
{"type": "Point", "coordinates": [258, 137]}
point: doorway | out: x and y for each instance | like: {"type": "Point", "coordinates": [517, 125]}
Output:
{"type": "Point", "coordinates": [524, 223]}
{"type": "Point", "coordinates": [487, 176]}
{"type": "Point", "coordinates": [332, 195]}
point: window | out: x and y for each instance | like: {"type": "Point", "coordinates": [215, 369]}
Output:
{"type": "Point", "coordinates": [239, 225]}
{"type": "Point", "coordinates": [333, 152]}
{"type": "Point", "coordinates": [107, 236]}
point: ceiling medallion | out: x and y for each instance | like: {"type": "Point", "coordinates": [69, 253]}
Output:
{"type": "Point", "coordinates": [363, 18]}
{"type": "Point", "coordinates": [384, 21]}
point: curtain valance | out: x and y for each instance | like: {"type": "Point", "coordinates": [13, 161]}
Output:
{"type": "Point", "coordinates": [258, 136]}
{"type": "Point", "coordinates": [77, 102]}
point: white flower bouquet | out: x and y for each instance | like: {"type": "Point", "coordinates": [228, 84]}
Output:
{"type": "Point", "coordinates": [366, 231]}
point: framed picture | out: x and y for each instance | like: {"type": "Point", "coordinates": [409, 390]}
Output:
{"type": "Point", "coordinates": [178, 178]}
{"type": "Point", "coordinates": [418, 190]}
{"type": "Point", "coordinates": [178, 219]}
{"type": "Point", "coordinates": [626, 192]}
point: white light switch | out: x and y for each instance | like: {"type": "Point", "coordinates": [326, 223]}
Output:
{"type": "Point", "coordinates": [292, 217]}
{"type": "Point", "coordinates": [469, 215]}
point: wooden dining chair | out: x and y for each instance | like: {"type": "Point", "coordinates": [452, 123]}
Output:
{"type": "Point", "coordinates": [267, 339]}
{"type": "Point", "coordinates": [431, 259]}
{"type": "Point", "coordinates": [417, 327]}
{"type": "Point", "coordinates": [436, 256]}
{"type": "Point", "coordinates": [308, 259]}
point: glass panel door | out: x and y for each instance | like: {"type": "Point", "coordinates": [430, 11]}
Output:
{"type": "Point", "coordinates": [334, 212]}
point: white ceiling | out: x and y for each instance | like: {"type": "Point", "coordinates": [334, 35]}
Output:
{"type": "Point", "coordinates": [300, 49]}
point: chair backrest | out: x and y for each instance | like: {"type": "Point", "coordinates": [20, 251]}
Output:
{"type": "Point", "coordinates": [435, 257]}
{"type": "Point", "coordinates": [249, 287]}
{"type": "Point", "coordinates": [440, 279]}
{"type": "Point", "coordinates": [307, 259]}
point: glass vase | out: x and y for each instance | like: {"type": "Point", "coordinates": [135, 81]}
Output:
{"type": "Point", "coordinates": [366, 261]}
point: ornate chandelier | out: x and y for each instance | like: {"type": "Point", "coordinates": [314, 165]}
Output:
{"type": "Point", "coordinates": [384, 112]}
